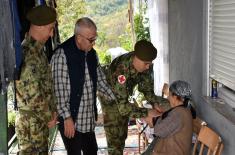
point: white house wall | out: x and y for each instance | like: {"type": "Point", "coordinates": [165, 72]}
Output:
{"type": "Point", "coordinates": [187, 56]}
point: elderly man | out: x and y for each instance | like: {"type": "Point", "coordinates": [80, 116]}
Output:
{"type": "Point", "coordinates": [124, 73]}
{"type": "Point", "coordinates": [78, 76]}
{"type": "Point", "coordinates": [34, 89]}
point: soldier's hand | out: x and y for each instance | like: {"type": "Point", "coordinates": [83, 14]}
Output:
{"type": "Point", "coordinates": [153, 113]}
{"type": "Point", "coordinates": [149, 121]}
{"type": "Point", "coordinates": [69, 128]}
{"type": "Point", "coordinates": [53, 121]}
{"type": "Point", "coordinates": [158, 108]}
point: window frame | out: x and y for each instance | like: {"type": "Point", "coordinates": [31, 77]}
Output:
{"type": "Point", "coordinates": [206, 58]}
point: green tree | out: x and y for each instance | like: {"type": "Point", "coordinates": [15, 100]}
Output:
{"type": "Point", "coordinates": [68, 12]}
{"type": "Point", "coordinates": [125, 39]}
{"type": "Point", "coordinates": [102, 39]}
{"type": "Point", "coordinates": [141, 22]}
{"type": "Point", "coordinates": [104, 58]}
{"type": "Point", "coordinates": [141, 27]}
{"type": "Point", "coordinates": [110, 17]}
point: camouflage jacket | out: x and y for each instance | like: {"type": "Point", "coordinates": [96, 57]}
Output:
{"type": "Point", "coordinates": [122, 77]}
{"type": "Point", "coordinates": [34, 90]}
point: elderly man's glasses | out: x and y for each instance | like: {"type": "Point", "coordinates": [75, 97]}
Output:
{"type": "Point", "coordinates": [91, 40]}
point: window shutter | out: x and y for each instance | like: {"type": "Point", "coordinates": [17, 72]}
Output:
{"type": "Point", "coordinates": [222, 42]}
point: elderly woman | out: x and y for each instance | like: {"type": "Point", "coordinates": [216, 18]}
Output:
{"type": "Point", "coordinates": [173, 129]}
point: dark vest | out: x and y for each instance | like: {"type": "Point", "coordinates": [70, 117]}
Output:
{"type": "Point", "coordinates": [76, 68]}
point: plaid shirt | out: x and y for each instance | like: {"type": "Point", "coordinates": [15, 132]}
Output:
{"type": "Point", "coordinates": [86, 115]}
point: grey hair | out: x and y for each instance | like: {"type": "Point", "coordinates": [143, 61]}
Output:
{"type": "Point", "coordinates": [181, 88]}
{"type": "Point", "coordinates": [84, 22]}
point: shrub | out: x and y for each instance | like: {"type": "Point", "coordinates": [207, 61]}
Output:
{"type": "Point", "coordinates": [11, 118]}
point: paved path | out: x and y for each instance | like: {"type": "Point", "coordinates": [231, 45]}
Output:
{"type": "Point", "coordinates": [131, 147]}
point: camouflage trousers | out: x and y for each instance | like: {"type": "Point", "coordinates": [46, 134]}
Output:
{"type": "Point", "coordinates": [115, 126]}
{"type": "Point", "coordinates": [116, 136]}
{"type": "Point", "coordinates": [32, 134]}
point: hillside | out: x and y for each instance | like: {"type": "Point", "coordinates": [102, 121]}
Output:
{"type": "Point", "coordinates": [110, 16]}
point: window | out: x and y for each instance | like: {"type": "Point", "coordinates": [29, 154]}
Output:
{"type": "Point", "coordinates": [222, 47]}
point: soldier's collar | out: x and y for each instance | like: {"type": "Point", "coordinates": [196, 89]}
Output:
{"type": "Point", "coordinates": [38, 45]}
{"type": "Point", "coordinates": [132, 70]}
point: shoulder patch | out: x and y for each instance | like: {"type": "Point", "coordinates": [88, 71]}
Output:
{"type": "Point", "coordinates": [121, 79]}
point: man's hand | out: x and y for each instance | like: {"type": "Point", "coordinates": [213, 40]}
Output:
{"type": "Point", "coordinates": [69, 128]}
{"type": "Point", "coordinates": [53, 120]}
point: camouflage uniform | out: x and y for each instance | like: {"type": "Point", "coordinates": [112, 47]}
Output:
{"type": "Point", "coordinates": [36, 100]}
{"type": "Point", "coordinates": [122, 77]}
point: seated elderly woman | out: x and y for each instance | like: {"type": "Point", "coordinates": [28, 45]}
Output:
{"type": "Point", "coordinates": [173, 128]}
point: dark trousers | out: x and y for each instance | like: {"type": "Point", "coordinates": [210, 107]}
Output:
{"type": "Point", "coordinates": [85, 142]}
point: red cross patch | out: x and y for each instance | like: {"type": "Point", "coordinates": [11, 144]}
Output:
{"type": "Point", "coordinates": [121, 79]}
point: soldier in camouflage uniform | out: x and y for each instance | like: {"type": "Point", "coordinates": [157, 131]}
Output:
{"type": "Point", "coordinates": [34, 89]}
{"type": "Point", "coordinates": [124, 73]}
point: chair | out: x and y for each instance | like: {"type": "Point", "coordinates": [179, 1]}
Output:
{"type": "Point", "coordinates": [209, 141]}
{"type": "Point", "coordinates": [140, 126]}
{"type": "Point", "coordinates": [197, 124]}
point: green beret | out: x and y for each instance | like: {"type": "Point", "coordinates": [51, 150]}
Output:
{"type": "Point", "coordinates": [145, 50]}
{"type": "Point", "coordinates": [41, 15]}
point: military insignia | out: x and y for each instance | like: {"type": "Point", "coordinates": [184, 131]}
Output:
{"type": "Point", "coordinates": [121, 79]}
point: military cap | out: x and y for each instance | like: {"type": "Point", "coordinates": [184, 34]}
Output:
{"type": "Point", "coordinates": [145, 50]}
{"type": "Point", "coordinates": [41, 15]}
